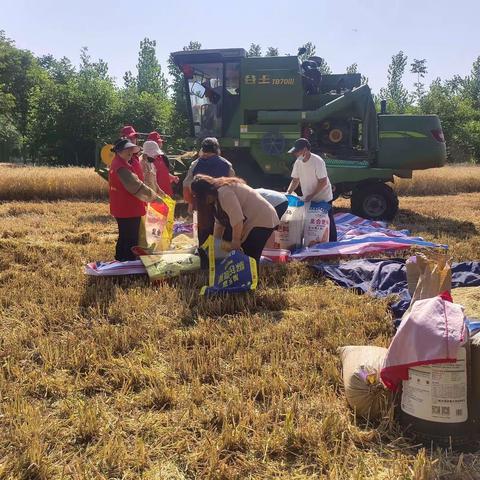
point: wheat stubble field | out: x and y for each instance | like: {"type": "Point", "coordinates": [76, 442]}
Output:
{"type": "Point", "coordinates": [121, 379]}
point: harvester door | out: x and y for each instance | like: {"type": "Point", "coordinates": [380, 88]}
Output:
{"type": "Point", "coordinates": [206, 98]}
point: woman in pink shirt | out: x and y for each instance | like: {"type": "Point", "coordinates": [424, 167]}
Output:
{"type": "Point", "coordinates": [233, 203]}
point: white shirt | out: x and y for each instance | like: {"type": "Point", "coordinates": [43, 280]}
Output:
{"type": "Point", "coordinates": [309, 173]}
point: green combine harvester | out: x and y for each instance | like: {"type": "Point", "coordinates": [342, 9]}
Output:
{"type": "Point", "coordinates": [258, 106]}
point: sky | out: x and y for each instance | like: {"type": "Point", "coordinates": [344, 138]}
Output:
{"type": "Point", "coordinates": [367, 32]}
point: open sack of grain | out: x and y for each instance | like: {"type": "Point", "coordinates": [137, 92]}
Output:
{"type": "Point", "coordinates": [364, 391]}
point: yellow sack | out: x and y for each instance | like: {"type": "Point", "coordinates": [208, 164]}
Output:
{"type": "Point", "coordinates": [156, 227]}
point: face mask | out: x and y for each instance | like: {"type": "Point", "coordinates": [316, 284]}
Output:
{"type": "Point", "coordinates": [301, 157]}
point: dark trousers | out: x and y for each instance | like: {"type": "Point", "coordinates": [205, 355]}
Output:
{"type": "Point", "coordinates": [203, 234]}
{"type": "Point", "coordinates": [333, 227]}
{"type": "Point", "coordinates": [256, 240]}
{"type": "Point", "coordinates": [127, 238]}
{"type": "Point", "coordinates": [252, 246]}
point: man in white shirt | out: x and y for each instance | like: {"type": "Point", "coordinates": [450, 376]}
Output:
{"type": "Point", "coordinates": [310, 172]}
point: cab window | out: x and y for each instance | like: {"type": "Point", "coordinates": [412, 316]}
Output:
{"type": "Point", "coordinates": [206, 96]}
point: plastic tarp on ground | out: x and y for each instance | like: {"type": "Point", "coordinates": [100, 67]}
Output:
{"type": "Point", "coordinates": [115, 268]}
{"type": "Point", "coordinates": [181, 230]}
{"type": "Point", "coordinates": [380, 278]}
{"type": "Point", "coordinates": [358, 236]}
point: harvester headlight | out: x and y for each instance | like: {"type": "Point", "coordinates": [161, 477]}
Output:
{"type": "Point", "coordinates": [336, 135]}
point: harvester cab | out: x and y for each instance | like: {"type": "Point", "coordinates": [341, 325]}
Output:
{"type": "Point", "coordinates": [258, 106]}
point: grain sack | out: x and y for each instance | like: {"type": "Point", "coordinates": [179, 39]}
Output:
{"type": "Point", "coordinates": [428, 275]}
{"type": "Point", "coordinates": [317, 223]}
{"type": "Point", "coordinates": [364, 390]}
{"type": "Point", "coordinates": [170, 265]}
{"type": "Point", "coordinates": [159, 221]}
{"type": "Point", "coordinates": [290, 229]}
{"type": "Point", "coordinates": [183, 244]}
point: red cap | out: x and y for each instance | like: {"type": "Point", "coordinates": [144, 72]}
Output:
{"type": "Point", "coordinates": [128, 131]}
{"type": "Point", "coordinates": [156, 137]}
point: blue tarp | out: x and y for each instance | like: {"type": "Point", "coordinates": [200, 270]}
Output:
{"type": "Point", "coordinates": [380, 278]}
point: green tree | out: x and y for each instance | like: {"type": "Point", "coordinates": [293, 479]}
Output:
{"type": "Point", "coordinates": [460, 120]}
{"type": "Point", "coordinates": [60, 70]}
{"type": "Point", "coordinates": [19, 71]}
{"type": "Point", "coordinates": [455, 84]}
{"type": "Point", "coordinates": [419, 67]}
{"type": "Point", "coordinates": [353, 68]}
{"type": "Point", "coordinates": [255, 50]}
{"type": "Point", "coordinates": [395, 93]}
{"type": "Point", "coordinates": [145, 110]}
{"type": "Point", "coordinates": [144, 100]}
{"type": "Point", "coordinates": [129, 81]}
{"type": "Point", "coordinates": [99, 69]}
{"type": "Point", "coordinates": [67, 120]}
{"type": "Point", "coordinates": [472, 84]}
{"type": "Point", "coordinates": [10, 138]}
{"type": "Point", "coordinates": [271, 52]}
{"type": "Point", "coordinates": [150, 77]}
{"type": "Point", "coordinates": [309, 51]}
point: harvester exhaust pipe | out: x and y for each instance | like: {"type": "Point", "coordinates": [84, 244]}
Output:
{"type": "Point", "coordinates": [383, 107]}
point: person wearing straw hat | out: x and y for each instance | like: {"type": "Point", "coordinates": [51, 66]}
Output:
{"type": "Point", "coordinates": [128, 194]}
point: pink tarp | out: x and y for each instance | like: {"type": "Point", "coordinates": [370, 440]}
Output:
{"type": "Point", "coordinates": [114, 268]}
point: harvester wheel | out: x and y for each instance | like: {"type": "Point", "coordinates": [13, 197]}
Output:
{"type": "Point", "coordinates": [376, 201]}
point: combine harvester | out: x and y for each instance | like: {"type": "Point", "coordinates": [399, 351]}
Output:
{"type": "Point", "coordinates": [258, 106]}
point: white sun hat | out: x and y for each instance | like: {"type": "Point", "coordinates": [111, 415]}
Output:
{"type": "Point", "coordinates": [151, 149]}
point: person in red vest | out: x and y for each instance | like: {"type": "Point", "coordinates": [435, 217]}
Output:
{"type": "Point", "coordinates": [128, 195]}
{"type": "Point", "coordinates": [129, 133]}
{"type": "Point", "coordinates": [162, 164]}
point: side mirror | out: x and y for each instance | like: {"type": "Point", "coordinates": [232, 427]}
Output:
{"type": "Point", "coordinates": [197, 89]}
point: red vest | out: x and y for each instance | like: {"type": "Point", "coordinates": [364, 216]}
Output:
{"type": "Point", "coordinates": [163, 176]}
{"type": "Point", "coordinates": [122, 203]}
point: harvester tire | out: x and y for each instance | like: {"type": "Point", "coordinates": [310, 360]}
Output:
{"type": "Point", "coordinates": [375, 201]}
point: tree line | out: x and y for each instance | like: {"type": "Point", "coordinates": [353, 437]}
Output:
{"type": "Point", "coordinates": [56, 113]}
